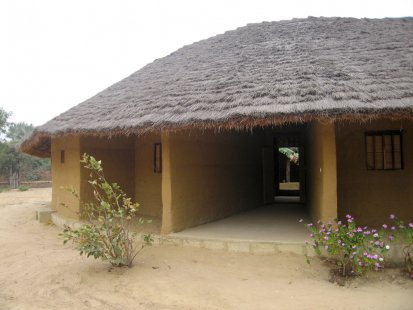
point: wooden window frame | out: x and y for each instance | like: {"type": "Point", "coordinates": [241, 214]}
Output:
{"type": "Point", "coordinates": [62, 156]}
{"type": "Point", "coordinates": [382, 133]}
{"type": "Point", "coordinates": [157, 158]}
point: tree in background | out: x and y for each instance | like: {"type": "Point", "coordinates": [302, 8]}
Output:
{"type": "Point", "coordinates": [16, 166]}
{"type": "Point", "coordinates": [3, 122]}
{"type": "Point", "coordinates": [16, 132]}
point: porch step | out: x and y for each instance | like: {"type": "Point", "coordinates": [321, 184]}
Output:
{"type": "Point", "coordinates": [233, 245]}
{"type": "Point", "coordinates": [220, 244]}
{"type": "Point", "coordinates": [44, 215]}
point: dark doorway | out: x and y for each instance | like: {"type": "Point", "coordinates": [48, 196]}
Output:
{"type": "Point", "coordinates": [289, 165]}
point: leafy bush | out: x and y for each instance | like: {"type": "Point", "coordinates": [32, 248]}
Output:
{"type": "Point", "coordinates": [352, 248]}
{"type": "Point", "coordinates": [107, 234]}
{"type": "Point", "coordinates": [23, 188]}
{"type": "Point", "coordinates": [404, 234]}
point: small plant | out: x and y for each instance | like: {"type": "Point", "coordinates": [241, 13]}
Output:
{"type": "Point", "coordinates": [404, 234]}
{"type": "Point", "coordinates": [23, 188]}
{"type": "Point", "coordinates": [107, 234]}
{"type": "Point", "coordinates": [352, 248]}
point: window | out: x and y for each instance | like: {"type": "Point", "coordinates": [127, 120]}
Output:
{"type": "Point", "coordinates": [157, 158]}
{"type": "Point", "coordinates": [62, 157]}
{"type": "Point", "coordinates": [384, 150]}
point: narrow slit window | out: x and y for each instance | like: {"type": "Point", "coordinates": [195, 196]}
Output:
{"type": "Point", "coordinates": [62, 157]}
{"type": "Point", "coordinates": [384, 150]}
{"type": "Point", "coordinates": [157, 158]}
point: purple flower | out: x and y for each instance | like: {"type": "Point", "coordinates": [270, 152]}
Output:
{"type": "Point", "coordinates": [385, 226]}
{"type": "Point", "coordinates": [391, 238]}
{"type": "Point", "coordinates": [376, 235]}
{"type": "Point", "coordinates": [411, 225]}
{"type": "Point", "coordinates": [339, 222]}
{"type": "Point", "coordinates": [325, 238]}
{"type": "Point", "coordinates": [350, 220]}
{"type": "Point", "coordinates": [392, 216]}
{"type": "Point", "coordinates": [309, 225]}
{"type": "Point", "coordinates": [393, 228]}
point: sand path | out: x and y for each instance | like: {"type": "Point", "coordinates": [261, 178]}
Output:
{"type": "Point", "coordinates": [38, 272]}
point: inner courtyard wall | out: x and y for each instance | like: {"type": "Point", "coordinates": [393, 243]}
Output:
{"type": "Point", "coordinates": [209, 175]}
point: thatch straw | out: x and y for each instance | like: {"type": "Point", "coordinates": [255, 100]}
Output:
{"type": "Point", "coordinates": [261, 74]}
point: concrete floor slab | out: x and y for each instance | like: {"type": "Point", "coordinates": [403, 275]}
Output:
{"type": "Point", "coordinates": [274, 223]}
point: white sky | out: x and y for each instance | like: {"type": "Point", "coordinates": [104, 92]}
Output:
{"type": "Point", "coordinates": [55, 54]}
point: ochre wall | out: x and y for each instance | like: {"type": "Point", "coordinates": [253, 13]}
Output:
{"type": "Point", "coordinates": [371, 195]}
{"type": "Point", "coordinates": [148, 186]}
{"type": "Point", "coordinates": [207, 176]}
{"type": "Point", "coordinates": [65, 174]}
{"type": "Point", "coordinates": [118, 161]}
{"type": "Point", "coordinates": [321, 171]}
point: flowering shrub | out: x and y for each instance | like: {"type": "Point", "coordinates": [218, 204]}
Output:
{"type": "Point", "coordinates": [404, 234]}
{"type": "Point", "coordinates": [353, 248]}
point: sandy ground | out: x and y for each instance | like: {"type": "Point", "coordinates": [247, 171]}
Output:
{"type": "Point", "coordinates": [38, 272]}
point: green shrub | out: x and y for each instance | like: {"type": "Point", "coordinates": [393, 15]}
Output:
{"type": "Point", "coordinates": [404, 234]}
{"type": "Point", "coordinates": [352, 248]}
{"type": "Point", "coordinates": [107, 234]}
{"type": "Point", "coordinates": [23, 188]}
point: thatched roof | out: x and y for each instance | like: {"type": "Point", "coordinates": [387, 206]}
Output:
{"type": "Point", "coordinates": [264, 73]}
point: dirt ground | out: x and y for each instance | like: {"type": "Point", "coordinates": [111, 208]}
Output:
{"type": "Point", "coordinates": [38, 272]}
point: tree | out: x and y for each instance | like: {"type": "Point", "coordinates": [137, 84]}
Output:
{"type": "Point", "coordinates": [3, 121]}
{"type": "Point", "coordinates": [18, 131]}
{"type": "Point", "coordinates": [14, 165]}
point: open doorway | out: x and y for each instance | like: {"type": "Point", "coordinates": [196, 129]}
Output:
{"type": "Point", "coordinates": [289, 167]}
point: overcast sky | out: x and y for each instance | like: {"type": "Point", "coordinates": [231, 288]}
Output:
{"type": "Point", "coordinates": [55, 54]}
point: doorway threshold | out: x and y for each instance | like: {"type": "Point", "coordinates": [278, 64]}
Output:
{"type": "Point", "coordinates": [287, 199]}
